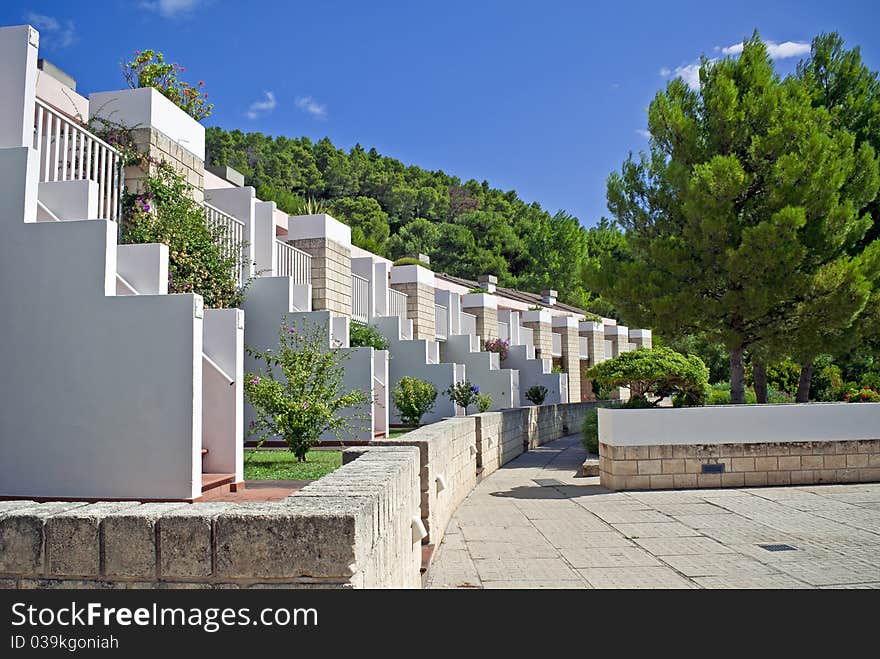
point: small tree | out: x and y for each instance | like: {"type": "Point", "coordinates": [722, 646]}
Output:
{"type": "Point", "coordinates": [659, 372]}
{"type": "Point", "coordinates": [360, 335]}
{"type": "Point", "coordinates": [298, 395]}
{"type": "Point", "coordinates": [464, 394]}
{"type": "Point", "coordinates": [413, 398]}
{"type": "Point", "coordinates": [484, 402]}
{"type": "Point", "coordinates": [537, 394]}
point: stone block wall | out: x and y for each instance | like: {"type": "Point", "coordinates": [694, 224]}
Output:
{"type": "Point", "coordinates": [543, 338]}
{"type": "Point", "coordinates": [331, 274]}
{"type": "Point", "coordinates": [159, 146]}
{"type": "Point", "coordinates": [487, 322]}
{"type": "Point", "coordinates": [571, 362]}
{"type": "Point", "coordinates": [447, 449]}
{"type": "Point", "coordinates": [419, 308]}
{"type": "Point", "coordinates": [351, 529]}
{"type": "Point", "coordinates": [745, 465]}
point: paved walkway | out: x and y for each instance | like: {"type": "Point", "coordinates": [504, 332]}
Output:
{"type": "Point", "coordinates": [533, 524]}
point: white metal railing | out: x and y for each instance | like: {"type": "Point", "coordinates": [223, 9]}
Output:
{"type": "Point", "coordinates": [584, 347]}
{"type": "Point", "coordinates": [556, 344]}
{"type": "Point", "coordinates": [503, 331]}
{"type": "Point", "coordinates": [441, 321]}
{"type": "Point", "coordinates": [360, 296]}
{"type": "Point", "coordinates": [69, 152]}
{"type": "Point", "coordinates": [229, 234]}
{"type": "Point", "coordinates": [396, 303]}
{"type": "Point", "coordinates": [293, 262]}
{"type": "Point", "coordinates": [468, 323]}
{"type": "Point", "coordinates": [526, 336]}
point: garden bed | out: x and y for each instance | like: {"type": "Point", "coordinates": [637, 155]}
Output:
{"type": "Point", "coordinates": [281, 464]}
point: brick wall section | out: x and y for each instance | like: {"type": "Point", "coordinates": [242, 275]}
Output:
{"type": "Point", "coordinates": [331, 274]}
{"type": "Point", "coordinates": [487, 322]}
{"type": "Point", "coordinates": [571, 361]}
{"type": "Point", "coordinates": [419, 308]}
{"type": "Point", "coordinates": [160, 147]}
{"type": "Point", "coordinates": [351, 529]}
{"type": "Point", "coordinates": [745, 465]}
{"type": "Point", "coordinates": [542, 333]}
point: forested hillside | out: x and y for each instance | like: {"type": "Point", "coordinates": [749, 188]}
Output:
{"type": "Point", "coordinates": [467, 228]}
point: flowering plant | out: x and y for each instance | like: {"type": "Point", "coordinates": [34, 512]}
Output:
{"type": "Point", "coordinates": [464, 394]}
{"type": "Point", "coordinates": [501, 346]}
{"type": "Point", "coordinates": [149, 69]}
{"type": "Point", "coordinates": [863, 395]}
{"type": "Point", "coordinates": [298, 395]}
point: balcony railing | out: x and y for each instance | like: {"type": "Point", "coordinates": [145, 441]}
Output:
{"type": "Point", "coordinates": [504, 331]}
{"type": "Point", "coordinates": [556, 344]}
{"type": "Point", "coordinates": [584, 347]}
{"type": "Point", "coordinates": [441, 321]}
{"type": "Point", "coordinates": [526, 336]}
{"type": "Point", "coordinates": [69, 152]}
{"type": "Point", "coordinates": [468, 323]}
{"type": "Point", "coordinates": [396, 303]}
{"type": "Point", "coordinates": [360, 297]}
{"type": "Point", "coordinates": [229, 234]}
{"type": "Point", "coordinates": [293, 262]}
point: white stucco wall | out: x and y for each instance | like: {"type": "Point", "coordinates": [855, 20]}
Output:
{"type": "Point", "coordinates": [734, 424]}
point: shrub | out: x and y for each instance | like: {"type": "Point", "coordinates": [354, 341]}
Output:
{"type": "Point", "coordinates": [862, 395]}
{"type": "Point", "coordinates": [500, 346]}
{"type": "Point", "coordinates": [658, 372]}
{"type": "Point", "coordinates": [479, 291]}
{"type": "Point", "coordinates": [537, 394]}
{"type": "Point", "coordinates": [556, 369]}
{"type": "Point", "coordinates": [149, 69]}
{"type": "Point", "coordinates": [366, 336]}
{"type": "Point", "coordinates": [413, 398]}
{"type": "Point", "coordinates": [590, 431]}
{"type": "Point", "coordinates": [463, 394]}
{"type": "Point", "coordinates": [299, 393]}
{"type": "Point", "coordinates": [827, 380]}
{"type": "Point", "coordinates": [484, 402]}
{"type": "Point", "coordinates": [409, 260]}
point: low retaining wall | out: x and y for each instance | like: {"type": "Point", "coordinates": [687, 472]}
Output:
{"type": "Point", "coordinates": [739, 446]}
{"type": "Point", "coordinates": [351, 529]}
{"type": "Point", "coordinates": [456, 448]}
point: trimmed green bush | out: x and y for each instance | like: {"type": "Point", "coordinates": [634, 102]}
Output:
{"type": "Point", "coordinates": [484, 402]}
{"type": "Point", "coordinates": [590, 431]}
{"type": "Point", "coordinates": [366, 336]}
{"type": "Point", "coordinates": [656, 372]}
{"type": "Point", "coordinates": [413, 398]}
{"type": "Point", "coordinates": [537, 394]}
{"type": "Point", "coordinates": [409, 260]}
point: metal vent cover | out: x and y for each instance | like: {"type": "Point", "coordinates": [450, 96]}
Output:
{"type": "Point", "coordinates": [778, 547]}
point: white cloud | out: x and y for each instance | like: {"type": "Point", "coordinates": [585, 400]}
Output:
{"type": "Point", "coordinates": [783, 50]}
{"type": "Point", "coordinates": [169, 8]}
{"type": "Point", "coordinates": [644, 133]}
{"type": "Point", "coordinates": [690, 73]}
{"type": "Point", "coordinates": [53, 33]}
{"type": "Point", "coordinates": [310, 105]}
{"type": "Point", "coordinates": [260, 108]}
{"type": "Point", "coordinates": [665, 71]}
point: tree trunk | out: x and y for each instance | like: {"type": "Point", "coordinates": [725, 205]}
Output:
{"type": "Point", "coordinates": [759, 373]}
{"type": "Point", "coordinates": [737, 377]}
{"type": "Point", "coordinates": [803, 392]}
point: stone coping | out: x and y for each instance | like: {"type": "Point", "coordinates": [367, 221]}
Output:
{"type": "Point", "coordinates": [740, 424]}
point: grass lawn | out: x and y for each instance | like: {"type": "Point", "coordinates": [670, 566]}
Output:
{"type": "Point", "coordinates": [397, 432]}
{"type": "Point", "coordinates": [282, 465]}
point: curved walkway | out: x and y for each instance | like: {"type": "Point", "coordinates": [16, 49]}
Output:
{"type": "Point", "coordinates": [533, 524]}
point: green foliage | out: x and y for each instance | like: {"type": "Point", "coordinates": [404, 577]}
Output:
{"type": "Point", "coordinates": [719, 394]}
{"type": "Point", "coordinates": [659, 372]}
{"type": "Point", "coordinates": [556, 369]}
{"type": "Point", "coordinates": [713, 353]}
{"type": "Point", "coordinates": [782, 376]}
{"type": "Point", "coordinates": [590, 431]}
{"type": "Point", "coordinates": [862, 395]}
{"type": "Point", "coordinates": [827, 380]}
{"type": "Point", "coordinates": [467, 228]}
{"type": "Point", "coordinates": [272, 465]}
{"type": "Point", "coordinates": [308, 206]}
{"type": "Point", "coordinates": [413, 398]}
{"type": "Point", "coordinates": [464, 394]}
{"type": "Point", "coordinates": [149, 69]}
{"type": "Point", "coordinates": [411, 260]}
{"type": "Point", "coordinates": [298, 393]}
{"type": "Point", "coordinates": [166, 213]}
{"type": "Point", "coordinates": [484, 402]}
{"type": "Point", "coordinates": [744, 220]}
{"type": "Point", "coordinates": [363, 336]}
{"type": "Point", "coordinates": [537, 394]}
{"type": "Point", "coordinates": [479, 291]}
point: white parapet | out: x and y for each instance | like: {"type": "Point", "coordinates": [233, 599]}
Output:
{"type": "Point", "coordinates": [302, 227]}
{"type": "Point", "coordinates": [412, 274]}
{"type": "Point", "coordinates": [536, 316]}
{"type": "Point", "coordinates": [590, 327]}
{"type": "Point", "coordinates": [740, 424]}
{"type": "Point", "coordinates": [148, 108]}
{"type": "Point", "coordinates": [481, 300]}
{"type": "Point", "coordinates": [569, 322]}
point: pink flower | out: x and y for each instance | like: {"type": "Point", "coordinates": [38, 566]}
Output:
{"type": "Point", "coordinates": [305, 405]}
{"type": "Point", "coordinates": [256, 379]}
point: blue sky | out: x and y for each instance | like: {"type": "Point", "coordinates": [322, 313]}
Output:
{"type": "Point", "coordinates": [545, 97]}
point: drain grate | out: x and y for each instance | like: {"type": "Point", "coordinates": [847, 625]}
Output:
{"type": "Point", "coordinates": [778, 547]}
{"type": "Point", "coordinates": [547, 482]}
